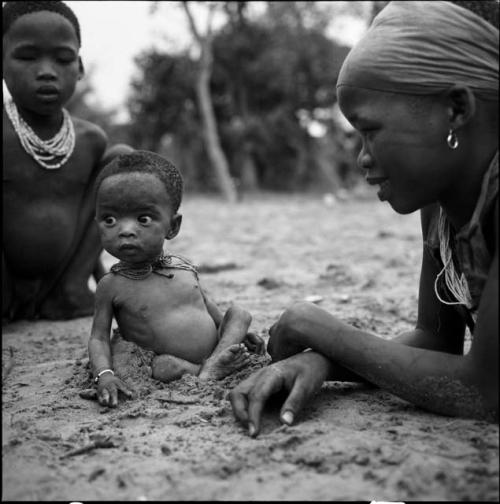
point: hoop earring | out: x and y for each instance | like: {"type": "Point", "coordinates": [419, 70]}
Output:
{"type": "Point", "coordinates": [452, 140]}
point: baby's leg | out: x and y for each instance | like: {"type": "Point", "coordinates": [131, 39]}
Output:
{"type": "Point", "coordinates": [230, 354]}
{"type": "Point", "coordinates": [167, 368]}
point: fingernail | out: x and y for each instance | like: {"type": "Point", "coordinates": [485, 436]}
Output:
{"type": "Point", "coordinates": [287, 417]}
{"type": "Point", "coordinates": [251, 429]}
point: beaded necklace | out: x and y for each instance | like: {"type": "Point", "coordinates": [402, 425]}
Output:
{"type": "Point", "coordinates": [50, 154]}
{"type": "Point", "coordinates": [457, 285]}
{"type": "Point", "coordinates": [141, 271]}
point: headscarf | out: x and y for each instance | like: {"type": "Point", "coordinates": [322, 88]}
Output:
{"type": "Point", "coordinates": [422, 47]}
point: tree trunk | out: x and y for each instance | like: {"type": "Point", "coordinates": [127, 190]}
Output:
{"type": "Point", "coordinates": [211, 136]}
{"type": "Point", "coordinates": [212, 142]}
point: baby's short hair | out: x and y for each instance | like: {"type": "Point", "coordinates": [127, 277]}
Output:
{"type": "Point", "coordinates": [141, 161]}
{"type": "Point", "coordinates": [14, 10]}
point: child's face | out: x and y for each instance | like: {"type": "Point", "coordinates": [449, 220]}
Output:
{"type": "Point", "coordinates": [134, 215]}
{"type": "Point", "coordinates": [41, 65]}
{"type": "Point", "coordinates": [404, 147]}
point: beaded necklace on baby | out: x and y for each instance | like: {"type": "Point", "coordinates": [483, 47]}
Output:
{"type": "Point", "coordinates": [141, 271]}
{"type": "Point", "coordinates": [457, 285]}
{"type": "Point", "coordinates": [50, 154]}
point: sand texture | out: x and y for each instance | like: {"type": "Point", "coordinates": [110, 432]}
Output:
{"type": "Point", "coordinates": [355, 258]}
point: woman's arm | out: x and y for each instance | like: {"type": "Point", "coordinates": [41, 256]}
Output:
{"type": "Point", "coordinates": [439, 327]}
{"type": "Point", "coordinates": [437, 377]}
{"type": "Point", "coordinates": [426, 369]}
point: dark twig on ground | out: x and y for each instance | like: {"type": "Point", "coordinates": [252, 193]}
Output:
{"type": "Point", "coordinates": [98, 443]}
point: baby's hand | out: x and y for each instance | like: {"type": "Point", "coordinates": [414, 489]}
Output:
{"type": "Point", "coordinates": [255, 343]}
{"type": "Point", "coordinates": [108, 388]}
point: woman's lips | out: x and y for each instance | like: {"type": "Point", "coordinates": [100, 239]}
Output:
{"type": "Point", "coordinates": [383, 182]}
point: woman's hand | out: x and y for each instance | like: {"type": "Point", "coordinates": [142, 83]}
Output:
{"type": "Point", "coordinates": [287, 335]}
{"type": "Point", "coordinates": [108, 388]}
{"type": "Point", "coordinates": [300, 375]}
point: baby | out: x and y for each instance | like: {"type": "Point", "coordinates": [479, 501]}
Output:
{"type": "Point", "coordinates": [156, 299]}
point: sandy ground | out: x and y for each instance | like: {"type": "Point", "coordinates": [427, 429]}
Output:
{"type": "Point", "coordinates": [181, 442]}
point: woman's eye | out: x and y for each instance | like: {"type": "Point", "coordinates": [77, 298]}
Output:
{"type": "Point", "coordinates": [109, 221]}
{"type": "Point", "coordinates": [145, 219]}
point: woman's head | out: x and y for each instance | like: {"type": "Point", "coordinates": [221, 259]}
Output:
{"type": "Point", "coordinates": [406, 86]}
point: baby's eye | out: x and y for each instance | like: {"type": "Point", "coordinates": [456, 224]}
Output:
{"type": "Point", "coordinates": [109, 220]}
{"type": "Point", "coordinates": [145, 219]}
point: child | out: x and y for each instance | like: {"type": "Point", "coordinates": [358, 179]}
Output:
{"type": "Point", "coordinates": [50, 160]}
{"type": "Point", "coordinates": [421, 88]}
{"type": "Point", "coordinates": [156, 299]}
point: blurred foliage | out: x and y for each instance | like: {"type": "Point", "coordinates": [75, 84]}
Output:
{"type": "Point", "coordinates": [83, 105]}
{"type": "Point", "coordinates": [273, 75]}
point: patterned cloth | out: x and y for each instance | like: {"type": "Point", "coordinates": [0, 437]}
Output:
{"type": "Point", "coordinates": [472, 245]}
{"type": "Point", "coordinates": [159, 266]}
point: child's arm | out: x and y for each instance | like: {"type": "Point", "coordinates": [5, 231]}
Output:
{"type": "Point", "coordinates": [252, 341]}
{"type": "Point", "coordinates": [108, 385]}
{"type": "Point", "coordinates": [112, 152]}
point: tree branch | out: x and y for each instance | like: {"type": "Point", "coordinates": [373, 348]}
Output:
{"type": "Point", "coordinates": [192, 24]}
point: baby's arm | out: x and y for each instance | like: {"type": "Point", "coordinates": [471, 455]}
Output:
{"type": "Point", "coordinates": [108, 385]}
{"type": "Point", "coordinates": [252, 341]}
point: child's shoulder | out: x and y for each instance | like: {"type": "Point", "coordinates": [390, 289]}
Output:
{"type": "Point", "coordinates": [106, 285]}
{"type": "Point", "coordinates": [90, 132]}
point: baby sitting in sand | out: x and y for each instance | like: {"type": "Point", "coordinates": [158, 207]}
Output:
{"type": "Point", "coordinates": [156, 299]}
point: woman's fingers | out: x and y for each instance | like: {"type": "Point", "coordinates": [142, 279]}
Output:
{"type": "Point", "coordinates": [295, 401]}
{"type": "Point", "coordinates": [269, 383]}
{"type": "Point", "coordinates": [249, 397]}
{"type": "Point", "coordinates": [239, 403]}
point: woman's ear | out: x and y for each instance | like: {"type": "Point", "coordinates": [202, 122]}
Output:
{"type": "Point", "coordinates": [175, 226]}
{"type": "Point", "coordinates": [461, 105]}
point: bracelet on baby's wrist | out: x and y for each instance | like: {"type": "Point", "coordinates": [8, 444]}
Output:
{"type": "Point", "coordinates": [96, 379]}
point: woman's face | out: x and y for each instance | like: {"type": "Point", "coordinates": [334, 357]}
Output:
{"type": "Point", "coordinates": [404, 148]}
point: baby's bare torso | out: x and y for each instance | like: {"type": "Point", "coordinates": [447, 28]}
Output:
{"type": "Point", "coordinates": [166, 315]}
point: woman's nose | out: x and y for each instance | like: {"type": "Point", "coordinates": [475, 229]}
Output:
{"type": "Point", "coordinates": [365, 161]}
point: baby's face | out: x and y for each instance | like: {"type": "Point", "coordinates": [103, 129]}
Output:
{"type": "Point", "coordinates": [134, 215]}
{"type": "Point", "coordinates": [41, 65]}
